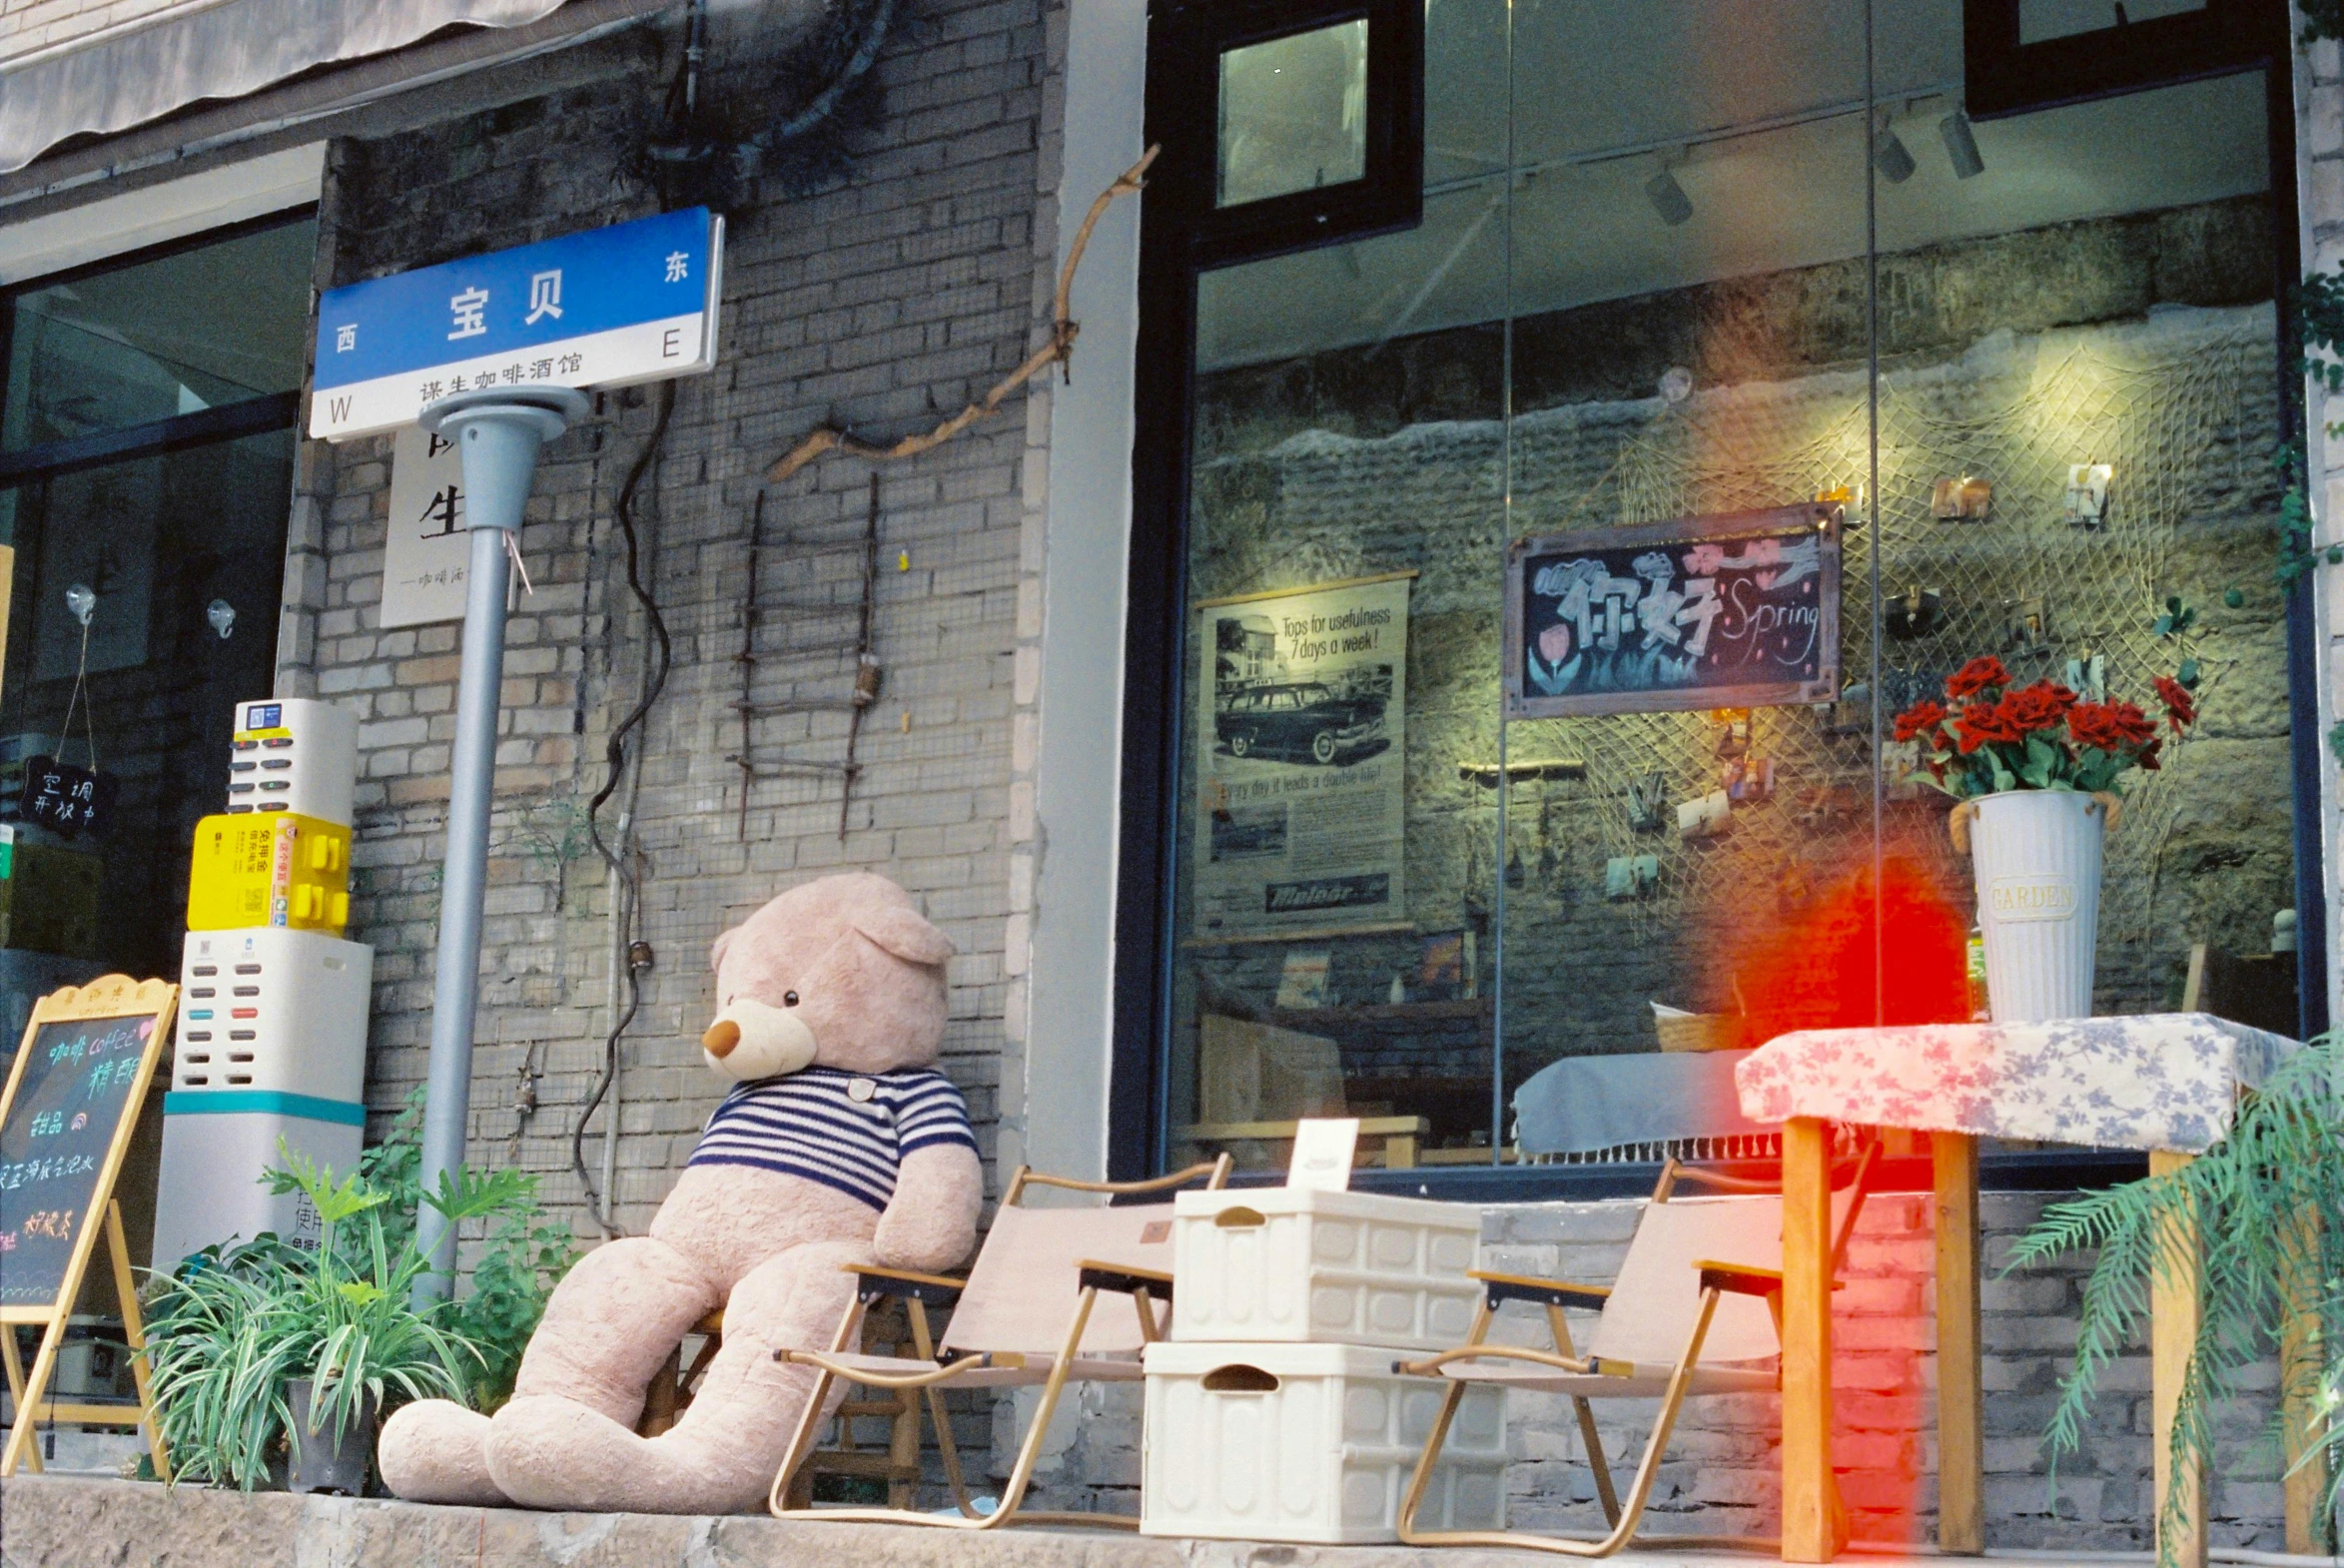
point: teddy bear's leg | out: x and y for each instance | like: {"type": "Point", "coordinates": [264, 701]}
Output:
{"type": "Point", "coordinates": [721, 1456]}
{"type": "Point", "coordinates": [611, 1323]}
{"type": "Point", "coordinates": [437, 1451]}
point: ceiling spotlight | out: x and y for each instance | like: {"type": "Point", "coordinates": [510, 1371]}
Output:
{"type": "Point", "coordinates": [1960, 145]}
{"type": "Point", "coordinates": [1890, 157]}
{"type": "Point", "coordinates": [1668, 198]}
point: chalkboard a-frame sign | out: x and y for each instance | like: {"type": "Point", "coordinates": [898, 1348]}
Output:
{"type": "Point", "coordinates": [73, 1097]}
{"type": "Point", "coordinates": [1737, 610]}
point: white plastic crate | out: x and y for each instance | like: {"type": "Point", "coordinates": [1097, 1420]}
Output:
{"type": "Point", "coordinates": [1292, 1265]}
{"type": "Point", "coordinates": [271, 1008]}
{"type": "Point", "coordinates": [1308, 1442]}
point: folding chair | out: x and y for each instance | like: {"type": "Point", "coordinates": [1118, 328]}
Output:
{"type": "Point", "coordinates": [1697, 1310]}
{"type": "Point", "coordinates": [1023, 1318]}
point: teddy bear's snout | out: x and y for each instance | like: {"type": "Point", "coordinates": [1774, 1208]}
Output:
{"type": "Point", "coordinates": [750, 1040]}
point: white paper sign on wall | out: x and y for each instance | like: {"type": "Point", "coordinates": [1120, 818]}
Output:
{"type": "Point", "coordinates": [427, 549]}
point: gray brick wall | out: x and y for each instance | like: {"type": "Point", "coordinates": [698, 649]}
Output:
{"type": "Point", "coordinates": [884, 303]}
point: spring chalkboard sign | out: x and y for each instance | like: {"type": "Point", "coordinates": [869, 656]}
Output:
{"type": "Point", "coordinates": [1740, 611]}
{"type": "Point", "coordinates": [74, 1094]}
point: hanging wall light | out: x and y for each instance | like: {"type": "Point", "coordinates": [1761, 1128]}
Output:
{"type": "Point", "coordinates": [1668, 198]}
{"type": "Point", "coordinates": [1891, 157]}
{"type": "Point", "coordinates": [1960, 145]}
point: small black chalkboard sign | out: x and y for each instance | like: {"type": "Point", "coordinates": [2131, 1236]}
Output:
{"type": "Point", "coordinates": [1740, 611]}
{"type": "Point", "coordinates": [75, 1089]}
{"type": "Point", "coordinates": [65, 799]}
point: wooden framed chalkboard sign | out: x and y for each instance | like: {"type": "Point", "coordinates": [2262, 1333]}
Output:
{"type": "Point", "coordinates": [1739, 610]}
{"type": "Point", "coordinates": [74, 1095]}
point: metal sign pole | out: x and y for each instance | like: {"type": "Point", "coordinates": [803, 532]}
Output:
{"type": "Point", "coordinates": [499, 433]}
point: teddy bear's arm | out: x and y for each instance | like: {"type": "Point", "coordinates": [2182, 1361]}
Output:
{"type": "Point", "coordinates": [931, 1223]}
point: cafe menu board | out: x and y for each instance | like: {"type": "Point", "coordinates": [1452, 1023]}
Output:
{"type": "Point", "coordinates": [74, 1092]}
{"type": "Point", "coordinates": [1740, 611]}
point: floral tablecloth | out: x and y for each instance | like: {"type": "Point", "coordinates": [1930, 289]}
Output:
{"type": "Point", "coordinates": [2158, 1081]}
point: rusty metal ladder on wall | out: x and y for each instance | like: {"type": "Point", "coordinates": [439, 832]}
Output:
{"type": "Point", "coordinates": [775, 759]}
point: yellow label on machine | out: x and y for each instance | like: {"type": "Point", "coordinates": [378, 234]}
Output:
{"type": "Point", "coordinates": [282, 869]}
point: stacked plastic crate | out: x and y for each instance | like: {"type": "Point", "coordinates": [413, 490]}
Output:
{"type": "Point", "coordinates": [271, 1047]}
{"type": "Point", "coordinates": [1275, 1411]}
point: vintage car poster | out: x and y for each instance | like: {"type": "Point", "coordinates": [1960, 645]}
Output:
{"type": "Point", "coordinates": [1301, 746]}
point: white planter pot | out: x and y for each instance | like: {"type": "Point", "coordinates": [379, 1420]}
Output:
{"type": "Point", "coordinates": [2036, 854]}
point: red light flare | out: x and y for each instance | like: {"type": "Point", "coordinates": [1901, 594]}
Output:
{"type": "Point", "coordinates": [1815, 968]}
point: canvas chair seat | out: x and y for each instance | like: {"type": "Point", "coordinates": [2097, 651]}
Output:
{"type": "Point", "coordinates": [1029, 1315]}
{"type": "Point", "coordinates": [1025, 1285]}
{"type": "Point", "coordinates": [1644, 1382]}
{"type": "Point", "coordinates": [1032, 1370]}
{"type": "Point", "coordinates": [1692, 1312]}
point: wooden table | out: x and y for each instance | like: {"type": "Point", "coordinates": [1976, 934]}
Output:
{"type": "Point", "coordinates": [2165, 1083]}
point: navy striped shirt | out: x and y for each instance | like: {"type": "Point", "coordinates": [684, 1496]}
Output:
{"type": "Point", "coordinates": [847, 1131]}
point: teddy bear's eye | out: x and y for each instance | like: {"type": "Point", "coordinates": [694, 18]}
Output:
{"type": "Point", "coordinates": [789, 999]}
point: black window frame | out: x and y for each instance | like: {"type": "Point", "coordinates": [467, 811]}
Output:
{"type": "Point", "coordinates": [1187, 41]}
{"type": "Point", "coordinates": [1174, 251]}
{"type": "Point", "coordinates": [2004, 77]}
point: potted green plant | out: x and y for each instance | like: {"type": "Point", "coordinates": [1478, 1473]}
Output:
{"type": "Point", "coordinates": [2036, 772]}
{"type": "Point", "coordinates": [2255, 1218]}
{"type": "Point", "coordinates": [269, 1346]}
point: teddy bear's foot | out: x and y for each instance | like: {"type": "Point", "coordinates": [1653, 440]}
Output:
{"type": "Point", "coordinates": [549, 1452]}
{"type": "Point", "coordinates": [437, 1451]}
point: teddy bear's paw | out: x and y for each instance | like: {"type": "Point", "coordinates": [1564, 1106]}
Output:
{"type": "Point", "coordinates": [436, 1451]}
{"type": "Point", "coordinates": [551, 1452]}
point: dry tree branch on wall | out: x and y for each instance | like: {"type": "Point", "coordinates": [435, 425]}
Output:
{"type": "Point", "coordinates": [1059, 350]}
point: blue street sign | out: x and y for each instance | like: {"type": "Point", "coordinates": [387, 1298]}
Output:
{"type": "Point", "coordinates": [635, 302]}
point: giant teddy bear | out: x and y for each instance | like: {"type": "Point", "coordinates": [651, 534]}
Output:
{"type": "Point", "coordinates": [839, 1143]}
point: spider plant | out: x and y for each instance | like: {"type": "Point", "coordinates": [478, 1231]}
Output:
{"type": "Point", "coordinates": [2264, 1207]}
{"type": "Point", "coordinates": [234, 1329]}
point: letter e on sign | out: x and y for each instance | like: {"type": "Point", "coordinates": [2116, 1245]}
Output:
{"type": "Point", "coordinates": [670, 346]}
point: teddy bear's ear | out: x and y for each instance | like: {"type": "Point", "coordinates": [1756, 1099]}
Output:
{"type": "Point", "coordinates": [716, 948]}
{"type": "Point", "coordinates": [905, 935]}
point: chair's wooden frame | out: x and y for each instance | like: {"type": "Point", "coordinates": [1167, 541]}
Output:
{"type": "Point", "coordinates": [1147, 1288]}
{"type": "Point", "coordinates": [1717, 1281]}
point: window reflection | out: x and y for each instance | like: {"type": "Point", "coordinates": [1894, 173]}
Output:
{"type": "Point", "coordinates": [1293, 113]}
{"type": "Point", "coordinates": [1556, 349]}
{"type": "Point", "coordinates": [196, 329]}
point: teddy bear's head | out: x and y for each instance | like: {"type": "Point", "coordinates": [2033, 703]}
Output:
{"type": "Point", "coordinates": [841, 971]}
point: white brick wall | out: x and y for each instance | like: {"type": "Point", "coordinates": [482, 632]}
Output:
{"type": "Point", "coordinates": [2319, 98]}
{"type": "Point", "coordinates": [27, 25]}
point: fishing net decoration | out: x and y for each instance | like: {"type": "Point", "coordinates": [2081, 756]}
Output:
{"type": "Point", "coordinates": [2181, 404]}
{"type": "Point", "coordinates": [2181, 407]}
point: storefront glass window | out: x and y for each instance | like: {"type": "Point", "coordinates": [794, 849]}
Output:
{"type": "Point", "coordinates": [1638, 296]}
{"type": "Point", "coordinates": [143, 572]}
{"type": "Point", "coordinates": [200, 327]}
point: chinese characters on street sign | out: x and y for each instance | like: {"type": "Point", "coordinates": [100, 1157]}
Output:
{"type": "Point", "coordinates": [636, 302]}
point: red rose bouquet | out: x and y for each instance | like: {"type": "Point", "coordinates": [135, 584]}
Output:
{"type": "Point", "coordinates": [1990, 735]}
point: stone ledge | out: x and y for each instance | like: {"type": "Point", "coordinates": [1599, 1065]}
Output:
{"type": "Point", "coordinates": [69, 1522]}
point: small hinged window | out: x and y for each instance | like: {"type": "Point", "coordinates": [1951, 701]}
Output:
{"type": "Point", "coordinates": [1291, 124]}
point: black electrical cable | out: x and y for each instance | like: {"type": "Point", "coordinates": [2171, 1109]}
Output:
{"type": "Point", "coordinates": [614, 758]}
